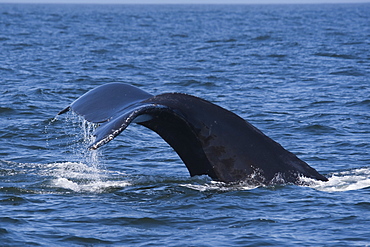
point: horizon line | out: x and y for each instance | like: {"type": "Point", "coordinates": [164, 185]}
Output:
{"type": "Point", "coordinates": [187, 3]}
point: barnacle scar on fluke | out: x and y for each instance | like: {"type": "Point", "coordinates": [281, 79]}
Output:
{"type": "Point", "coordinates": [209, 139]}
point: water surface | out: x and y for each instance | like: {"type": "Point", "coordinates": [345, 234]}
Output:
{"type": "Point", "coordinates": [300, 73]}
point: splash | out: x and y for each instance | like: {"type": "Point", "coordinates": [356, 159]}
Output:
{"type": "Point", "coordinates": [219, 186]}
{"type": "Point", "coordinates": [87, 175]}
{"type": "Point", "coordinates": [79, 177]}
{"type": "Point", "coordinates": [96, 187]}
{"type": "Point", "coordinates": [61, 177]}
{"type": "Point", "coordinates": [354, 179]}
{"type": "Point", "coordinates": [84, 172]}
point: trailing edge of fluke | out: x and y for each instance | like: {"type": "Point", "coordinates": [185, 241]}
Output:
{"type": "Point", "coordinates": [209, 139]}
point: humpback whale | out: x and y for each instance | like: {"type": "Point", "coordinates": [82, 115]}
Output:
{"type": "Point", "coordinates": [209, 139]}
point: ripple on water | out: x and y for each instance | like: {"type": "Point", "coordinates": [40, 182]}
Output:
{"type": "Point", "coordinates": [299, 72]}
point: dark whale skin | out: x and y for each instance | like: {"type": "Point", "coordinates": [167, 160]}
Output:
{"type": "Point", "coordinates": [209, 139]}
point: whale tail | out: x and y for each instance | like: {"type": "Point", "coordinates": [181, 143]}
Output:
{"type": "Point", "coordinates": [208, 138]}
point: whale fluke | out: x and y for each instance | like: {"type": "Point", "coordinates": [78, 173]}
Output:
{"type": "Point", "coordinates": [209, 139]}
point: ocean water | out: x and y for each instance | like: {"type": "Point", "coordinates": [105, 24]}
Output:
{"type": "Point", "coordinates": [300, 73]}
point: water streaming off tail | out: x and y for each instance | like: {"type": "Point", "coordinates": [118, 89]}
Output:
{"type": "Point", "coordinates": [84, 171]}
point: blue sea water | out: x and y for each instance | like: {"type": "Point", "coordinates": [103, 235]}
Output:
{"type": "Point", "coordinates": [300, 73]}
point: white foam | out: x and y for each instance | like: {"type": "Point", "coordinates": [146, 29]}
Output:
{"type": "Point", "coordinates": [79, 177]}
{"type": "Point", "coordinates": [90, 187]}
{"type": "Point", "coordinates": [354, 179]}
{"type": "Point", "coordinates": [87, 175]}
{"type": "Point", "coordinates": [65, 184]}
{"type": "Point", "coordinates": [75, 176]}
{"type": "Point", "coordinates": [219, 186]}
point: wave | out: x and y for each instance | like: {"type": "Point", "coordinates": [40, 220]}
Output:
{"type": "Point", "coordinates": [334, 55]}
